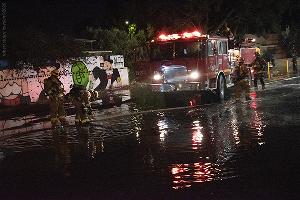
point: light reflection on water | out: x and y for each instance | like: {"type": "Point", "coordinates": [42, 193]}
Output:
{"type": "Point", "coordinates": [191, 146]}
{"type": "Point", "coordinates": [257, 125]}
{"type": "Point", "coordinates": [184, 175]}
{"type": "Point", "coordinates": [220, 136]}
{"type": "Point", "coordinates": [197, 134]}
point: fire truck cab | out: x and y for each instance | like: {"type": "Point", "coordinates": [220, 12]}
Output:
{"type": "Point", "coordinates": [186, 61]}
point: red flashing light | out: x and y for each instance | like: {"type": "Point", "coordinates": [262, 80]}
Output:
{"type": "Point", "coordinates": [196, 33]}
{"type": "Point", "coordinates": [192, 103]}
{"type": "Point", "coordinates": [185, 35]}
{"type": "Point", "coordinates": [174, 36]}
{"type": "Point", "coordinates": [163, 37]}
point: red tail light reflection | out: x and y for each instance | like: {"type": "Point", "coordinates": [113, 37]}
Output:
{"type": "Point", "coordinates": [186, 174]}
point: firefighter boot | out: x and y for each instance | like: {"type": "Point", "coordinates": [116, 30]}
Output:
{"type": "Point", "coordinates": [55, 122]}
{"type": "Point", "coordinates": [85, 121]}
{"type": "Point", "coordinates": [77, 120]}
{"type": "Point", "coordinates": [63, 121]}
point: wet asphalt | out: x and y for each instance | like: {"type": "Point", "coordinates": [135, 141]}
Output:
{"type": "Point", "coordinates": [228, 150]}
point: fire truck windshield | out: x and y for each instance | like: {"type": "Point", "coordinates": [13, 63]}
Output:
{"type": "Point", "coordinates": [177, 49]}
{"type": "Point", "coordinates": [162, 51]}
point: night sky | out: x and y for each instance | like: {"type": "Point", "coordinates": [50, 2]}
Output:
{"type": "Point", "coordinates": [70, 16]}
{"type": "Point", "coordinates": [65, 15]}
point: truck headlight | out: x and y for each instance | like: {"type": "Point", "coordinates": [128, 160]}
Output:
{"type": "Point", "coordinates": [157, 77]}
{"type": "Point", "coordinates": [194, 75]}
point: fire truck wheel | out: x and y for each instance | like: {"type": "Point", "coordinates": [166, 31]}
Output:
{"type": "Point", "coordinates": [221, 87]}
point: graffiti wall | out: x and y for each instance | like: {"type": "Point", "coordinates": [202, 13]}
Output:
{"type": "Point", "coordinates": [25, 86]}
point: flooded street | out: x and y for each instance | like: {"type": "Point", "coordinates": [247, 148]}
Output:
{"type": "Point", "coordinates": [228, 150]}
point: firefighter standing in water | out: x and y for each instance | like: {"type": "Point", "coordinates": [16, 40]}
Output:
{"type": "Point", "coordinates": [258, 67]}
{"type": "Point", "coordinates": [54, 88]}
{"type": "Point", "coordinates": [80, 97]}
{"type": "Point", "coordinates": [241, 82]}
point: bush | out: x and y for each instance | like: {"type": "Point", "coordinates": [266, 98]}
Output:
{"type": "Point", "coordinates": [145, 98]}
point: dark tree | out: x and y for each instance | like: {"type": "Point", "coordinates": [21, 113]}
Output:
{"type": "Point", "coordinates": [33, 47]}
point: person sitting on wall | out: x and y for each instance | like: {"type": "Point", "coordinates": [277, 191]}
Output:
{"type": "Point", "coordinates": [99, 72]}
{"type": "Point", "coordinates": [102, 73]}
{"type": "Point", "coordinates": [115, 76]}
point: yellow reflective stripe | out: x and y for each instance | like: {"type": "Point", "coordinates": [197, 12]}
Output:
{"type": "Point", "coordinates": [54, 119]}
{"type": "Point", "coordinates": [85, 120]}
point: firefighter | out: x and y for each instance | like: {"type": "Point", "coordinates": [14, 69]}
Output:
{"type": "Point", "coordinates": [54, 88]}
{"type": "Point", "coordinates": [80, 98]}
{"type": "Point", "coordinates": [231, 40]}
{"type": "Point", "coordinates": [258, 67]}
{"type": "Point", "coordinates": [241, 82]}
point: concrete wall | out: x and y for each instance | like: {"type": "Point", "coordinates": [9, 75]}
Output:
{"type": "Point", "coordinates": [24, 86]}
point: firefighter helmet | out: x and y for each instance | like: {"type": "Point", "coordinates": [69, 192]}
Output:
{"type": "Point", "coordinates": [55, 72]}
{"type": "Point", "coordinates": [257, 51]}
{"type": "Point", "coordinates": [257, 54]}
{"type": "Point", "coordinates": [241, 60]}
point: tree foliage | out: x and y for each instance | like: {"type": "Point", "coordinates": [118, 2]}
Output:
{"type": "Point", "coordinates": [120, 41]}
{"type": "Point", "coordinates": [256, 16]}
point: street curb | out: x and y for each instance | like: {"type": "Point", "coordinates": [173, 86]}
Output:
{"type": "Point", "coordinates": [282, 79]}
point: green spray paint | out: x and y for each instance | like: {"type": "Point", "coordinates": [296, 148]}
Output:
{"type": "Point", "coordinates": [80, 74]}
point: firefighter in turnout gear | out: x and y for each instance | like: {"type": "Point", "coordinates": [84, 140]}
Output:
{"type": "Point", "coordinates": [241, 82]}
{"type": "Point", "coordinates": [80, 97]}
{"type": "Point", "coordinates": [258, 67]}
{"type": "Point", "coordinates": [54, 88]}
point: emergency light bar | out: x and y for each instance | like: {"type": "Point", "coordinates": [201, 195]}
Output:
{"type": "Point", "coordinates": [185, 35]}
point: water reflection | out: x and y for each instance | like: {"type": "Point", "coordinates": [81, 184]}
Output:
{"type": "Point", "coordinates": [166, 125]}
{"type": "Point", "coordinates": [91, 142]}
{"type": "Point", "coordinates": [184, 175]}
{"type": "Point", "coordinates": [162, 129]}
{"type": "Point", "coordinates": [137, 124]}
{"type": "Point", "coordinates": [257, 124]}
{"type": "Point", "coordinates": [81, 144]}
{"type": "Point", "coordinates": [235, 127]}
{"type": "Point", "coordinates": [197, 134]}
{"type": "Point", "coordinates": [223, 132]}
{"type": "Point", "coordinates": [186, 146]}
{"type": "Point", "coordinates": [62, 154]}
{"type": "Point", "coordinates": [22, 125]}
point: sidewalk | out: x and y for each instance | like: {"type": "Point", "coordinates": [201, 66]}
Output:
{"type": "Point", "coordinates": [34, 117]}
{"type": "Point", "coordinates": [43, 109]}
{"type": "Point", "coordinates": [22, 110]}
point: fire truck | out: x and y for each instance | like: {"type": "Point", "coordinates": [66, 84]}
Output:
{"type": "Point", "coordinates": [188, 61]}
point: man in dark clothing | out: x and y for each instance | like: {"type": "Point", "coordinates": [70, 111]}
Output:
{"type": "Point", "coordinates": [259, 66]}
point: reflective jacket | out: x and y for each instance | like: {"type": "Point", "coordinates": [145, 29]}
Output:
{"type": "Point", "coordinates": [259, 65]}
{"type": "Point", "coordinates": [53, 87]}
{"type": "Point", "coordinates": [241, 72]}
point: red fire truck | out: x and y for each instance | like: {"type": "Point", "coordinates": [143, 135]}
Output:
{"type": "Point", "coordinates": [186, 61]}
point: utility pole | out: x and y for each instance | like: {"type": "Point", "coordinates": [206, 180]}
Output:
{"type": "Point", "coordinates": [294, 58]}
